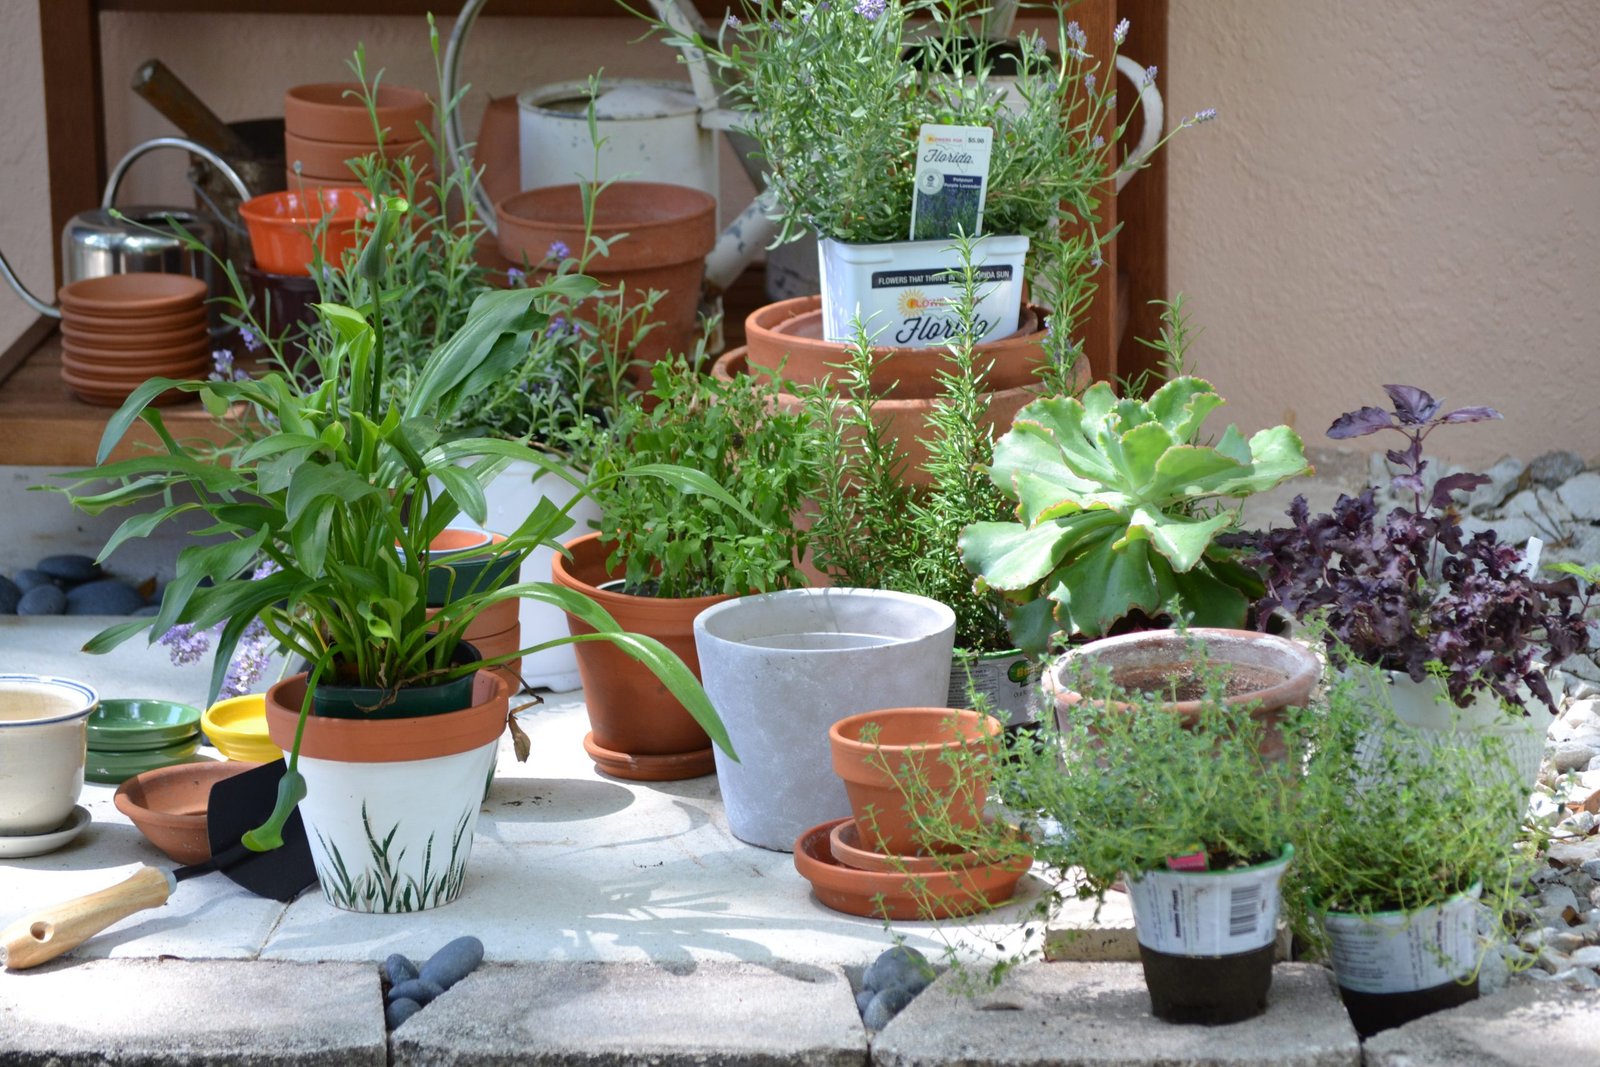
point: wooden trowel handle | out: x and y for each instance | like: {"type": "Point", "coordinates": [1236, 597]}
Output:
{"type": "Point", "coordinates": [44, 935]}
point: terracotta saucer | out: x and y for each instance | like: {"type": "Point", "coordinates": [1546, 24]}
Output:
{"type": "Point", "coordinates": [168, 805]}
{"type": "Point", "coordinates": [876, 895]}
{"type": "Point", "coordinates": [669, 768]}
{"type": "Point", "coordinates": [134, 295]}
{"type": "Point", "coordinates": [135, 336]}
{"type": "Point", "coordinates": [844, 841]}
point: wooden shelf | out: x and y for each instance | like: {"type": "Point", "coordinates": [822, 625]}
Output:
{"type": "Point", "coordinates": [43, 424]}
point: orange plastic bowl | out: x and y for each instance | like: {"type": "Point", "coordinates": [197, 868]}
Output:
{"type": "Point", "coordinates": [286, 227]}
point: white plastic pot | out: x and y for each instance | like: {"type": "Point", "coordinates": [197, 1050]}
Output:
{"type": "Point", "coordinates": [1008, 682]}
{"type": "Point", "coordinates": [1208, 913]}
{"type": "Point", "coordinates": [511, 496]}
{"type": "Point", "coordinates": [903, 294]}
{"type": "Point", "coordinates": [781, 668]}
{"type": "Point", "coordinates": [1425, 707]}
{"type": "Point", "coordinates": [1404, 951]}
{"type": "Point", "coordinates": [651, 128]}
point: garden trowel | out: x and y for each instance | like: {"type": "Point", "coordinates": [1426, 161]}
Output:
{"type": "Point", "coordinates": [236, 805]}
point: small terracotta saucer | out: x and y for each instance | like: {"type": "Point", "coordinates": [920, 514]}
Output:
{"type": "Point", "coordinates": [668, 768]}
{"type": "Point", "coordinates": [844, 841]}
{"type": "Point", "coordinates": [38, 844]}
{"type": "Point", "coordinates": [879, 895]}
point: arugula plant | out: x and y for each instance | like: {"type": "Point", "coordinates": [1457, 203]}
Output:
{"type": "Point", "coordinates": [340, 497]}
{"type": "Point", "coordinates": [1407, 590]}
{"type": "Point", "coordinates": [1118, 512]}
{"type": "Point", "coordinates": [735, 435]}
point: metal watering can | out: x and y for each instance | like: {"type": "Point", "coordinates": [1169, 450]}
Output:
{"type": "Point", "coordinates": [97, 243]}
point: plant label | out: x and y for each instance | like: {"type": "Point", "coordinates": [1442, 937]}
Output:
{"type": "Point", "coordinates": [951, 178]}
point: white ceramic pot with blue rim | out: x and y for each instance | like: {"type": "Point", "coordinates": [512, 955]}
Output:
{"type": "Point", "coordinates": [44, 738]}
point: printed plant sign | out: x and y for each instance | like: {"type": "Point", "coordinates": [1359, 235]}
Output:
{"type": "Point", "coordinates": [952, 175]}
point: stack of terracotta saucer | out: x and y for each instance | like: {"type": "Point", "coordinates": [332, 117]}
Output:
{"type": "Point", "coordinates": [325, 126]}
{"type": "Point", "coordinates": [122, 329]}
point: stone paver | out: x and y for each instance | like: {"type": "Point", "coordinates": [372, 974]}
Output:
{"type": "Point", "coordinates": [615, 1013]}
{"type": "Point", "coordinates": [1529, 1023]}
{"type": "Point", "coordinates": [218, 1012]}
{"type": "Point", "coordinates": [1098, 1015]}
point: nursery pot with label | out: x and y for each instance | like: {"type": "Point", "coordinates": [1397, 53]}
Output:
{"type": "Point", "coordinates": [1207, 939]}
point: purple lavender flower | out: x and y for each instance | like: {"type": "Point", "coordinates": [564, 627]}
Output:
{"type": "Point", "coordinates": [515, 278]}
{"type": "Point", "coordinates": [1150, 75]}
{"type": "Point", "coordinates": [871, 9]}
{"type": "Point", "coordinates": [1098, 143]}
{"type": "Point", "coordinates": [185, 644]}
{"type": "Point", "coordinates": [1120, 34]}
{"type": "Point", "coordinates": [732, 22]}
{"type": "Point", "coordinates": [557, 327]}
{"type": "Point", "coordinates": [1088, 81]}
{"type": "Point", "coordinates": [251, 341]}
{"type": "Point", "coordinates": [221, 365]}
{"type": "Point", "coordinates": [558, 251]}
{"type": "Point", "coordinates": [1096, 262]}
{"type": "Point", "coordinates": [250, 660]}
{"type": "Point", "coordinates": [1076, 35]}
{"type": "Point", "coordinates": [1202, 116]}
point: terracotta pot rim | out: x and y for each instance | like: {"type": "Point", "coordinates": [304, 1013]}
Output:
{"type": "Point", "coordinates": [839, 733]}
{"type": "Point", "coordinates": [564, 574]}
{"type": "Point", "coordinates": [734, 361]}
{"type": "Point", "coordinates": [692, 203]}
{"type": "Point", "coordinates": [391, 145]}
{"type": "Point", "coordinates": [323, 107]}
{"type": "Point", "coordinates": [1293, 659]}
{"type": "Point", "coordinates": [390, 740]}
{"type": "Point", "coordinates": [285, 207]}
{"type": "Point", "coordinates": [844, 841]}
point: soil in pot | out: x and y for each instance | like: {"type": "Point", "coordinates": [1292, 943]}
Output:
{"type": "Point", "coordinates": [635, 718]}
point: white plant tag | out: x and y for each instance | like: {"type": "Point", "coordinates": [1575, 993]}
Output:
{"type": "Point", "coordinates": [1217, 913]}
{"type": "Point", "coordinates": [952, 179]}
{"type": "Point", "coordinates": [1397, 952]}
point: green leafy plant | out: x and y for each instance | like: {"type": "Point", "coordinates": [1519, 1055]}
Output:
{"type": "Point", "coordinates": [343, 497]}
{"type": "Point", "coordinates": [733, 434]}
{"type": "Point", "coordinates": [1390, 822]}
{"type": "Point", "coordinates": [1116, 501]}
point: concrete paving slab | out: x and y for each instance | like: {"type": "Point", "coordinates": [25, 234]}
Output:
{"type": "Point", "coordinates": [1527, 1023]}
{"type": "Point", "coordinates": [614, 1013]}
{"type": "Point", "coordinates": [1098, 1015]}
{"type": "Point", "coordinates": [218, 1012]}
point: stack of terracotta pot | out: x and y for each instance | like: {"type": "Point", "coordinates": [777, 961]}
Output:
{"type": "Point", "coordinates": [120, 330]}
{"type": "Point", "coordinates": [788, 337]}
{"type": "Point", "coordinates": [903, 772]}
{"type": "Point", "coordinates": [327, 125]}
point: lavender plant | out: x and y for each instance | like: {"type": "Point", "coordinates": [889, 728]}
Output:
{"type": "Point", "coordinates": [1406, 590]}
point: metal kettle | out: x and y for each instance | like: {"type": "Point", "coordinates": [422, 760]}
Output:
{"type": "Point", "coordinates": [97, 243]}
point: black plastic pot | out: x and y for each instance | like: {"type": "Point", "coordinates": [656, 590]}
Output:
{"type": "Point", "coordinates": [1208, 990]}
{"type": "Point", "coordinates": [1371, 1013]}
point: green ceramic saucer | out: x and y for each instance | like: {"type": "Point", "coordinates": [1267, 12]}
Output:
{"type": "Point", "coordinates": [114, 768]}
{"type": "Point", "coordinates": [137, 725]}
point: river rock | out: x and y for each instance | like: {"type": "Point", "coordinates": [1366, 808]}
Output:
{"type": "Point", "coordinates": [107, 596]}
{"type": "Point", "coordinates": [71, 569]}
{"type": "Point", "coordinates": [885, 1006]}
{"type": "Point", "coordinates": [399, 1011]}
{"type": "Point", "coordinates": [900, 966]}
{"type": "Point", "coordinates": [1574, 753]}
{"type": "Point", "coordinates": [399, 969]}
{"type": "Point", "coordinates": [1503, 478]}
{"type": "Point", "coordinates": [1581, 495]}
{"type": "Point", "coordinates": [1553, 468]}
{"type": "Point", "coordinates": [9, 596]}
{"type": "Point", "coordinates": [418, 989]}
{"type": "Point", "coordinates": [453, 962]}
{"type": "Point", "coordinates": [42, 600]}
{"type": "Point", "coordinates": [30, 578]}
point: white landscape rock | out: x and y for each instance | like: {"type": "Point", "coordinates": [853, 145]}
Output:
{"type": "Point", "coordinates": [1581, 496]}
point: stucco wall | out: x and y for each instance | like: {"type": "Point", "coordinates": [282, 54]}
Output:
{"type": "Point", "coordinates": [1393, 192]}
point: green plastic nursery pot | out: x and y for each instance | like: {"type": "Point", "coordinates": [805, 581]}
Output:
{"type": "Point", "coordinates": [453, 572]}
{"type": "Point", "coordinates": [334, 701]}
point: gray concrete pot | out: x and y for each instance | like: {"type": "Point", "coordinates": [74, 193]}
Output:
{"type": "Point", "coordinates": [781, 668]}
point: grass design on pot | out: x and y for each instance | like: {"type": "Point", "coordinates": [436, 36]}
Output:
{"type": "Point", "coordinates": [381, 887]}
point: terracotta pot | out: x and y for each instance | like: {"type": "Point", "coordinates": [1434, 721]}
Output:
{"type": "Point", "coordinates": [330, 159]}
{"type": "Point", "coordinates": [335, 111]}
{"type": "Point", "coordinates": [118, 327]}
{"type": "Point", "coordinates": [632, 713]}
{"type": "Point", "coordinates": [905, 420]}
{"type": "Point", "coordinates": [669, 228]}
{"type": "Point", "coordinates": [844, 841]}
{"type": "Point", "coordinates": [877, 765]}
{"type": "Point", "coordinates": [281, 226]}
{"type": "Point", "coordinates": [498, 150]}
{"type": "Point", "coordinates": [1270, 673]}
{"type": "Point", "coordinates": [367, 740]}
{"type": "Point", "coordinates": [168, 805]}
{"type": "Point", "coordinates": [132, 296]}
{"type": "Point", "coordinates": [788, 335]}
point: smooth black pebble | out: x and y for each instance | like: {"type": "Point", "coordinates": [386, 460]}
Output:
{"type": "Point", "coordinates": [9, 596]}
{"type": "Point", "coordinates": [399, 969]}
{"type": "Point", "coordinates": [70, 568]}
{"type": "Point", "coordinates": [886, 1006]}
{"type": "Point", "coordinates": [32, 579]}
{"type": "Point", "coordinates": [418, 989]}
{"type": "Point", "coordinates": [896, 967]}
{"type": "Point", "coordinates": [453, 962]}
{"type": "Point", "coordinates": [399, 1011]}
{"type": "Point", "coordinates": [42, 600]}
{"type": "Point", "coordinates": [107, 596]}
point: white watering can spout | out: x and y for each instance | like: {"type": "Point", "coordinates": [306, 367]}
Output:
{"type": "Point", "coordinates": [746, 235]}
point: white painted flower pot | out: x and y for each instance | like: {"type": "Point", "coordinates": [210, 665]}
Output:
{"type": "Point", "coordinates": [1008, 682]}
{"type": "Point", "coordinates": [1425, 708]}
{"type": "Point", "coordinates": [903, 293]}
{"type": "Point", "coordinates": [511, 497]}
{"type": "Point", "coordinates": [781, 668]}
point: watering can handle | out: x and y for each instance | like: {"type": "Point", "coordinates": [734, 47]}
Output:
{"type": "Point", "coordinates": [121, 169]}
{"type": "Point", "coordinates": [1155, 115]}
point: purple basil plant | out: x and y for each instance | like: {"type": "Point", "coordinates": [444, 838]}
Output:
{"type": "Point", "coordinates": [1407, 590]}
